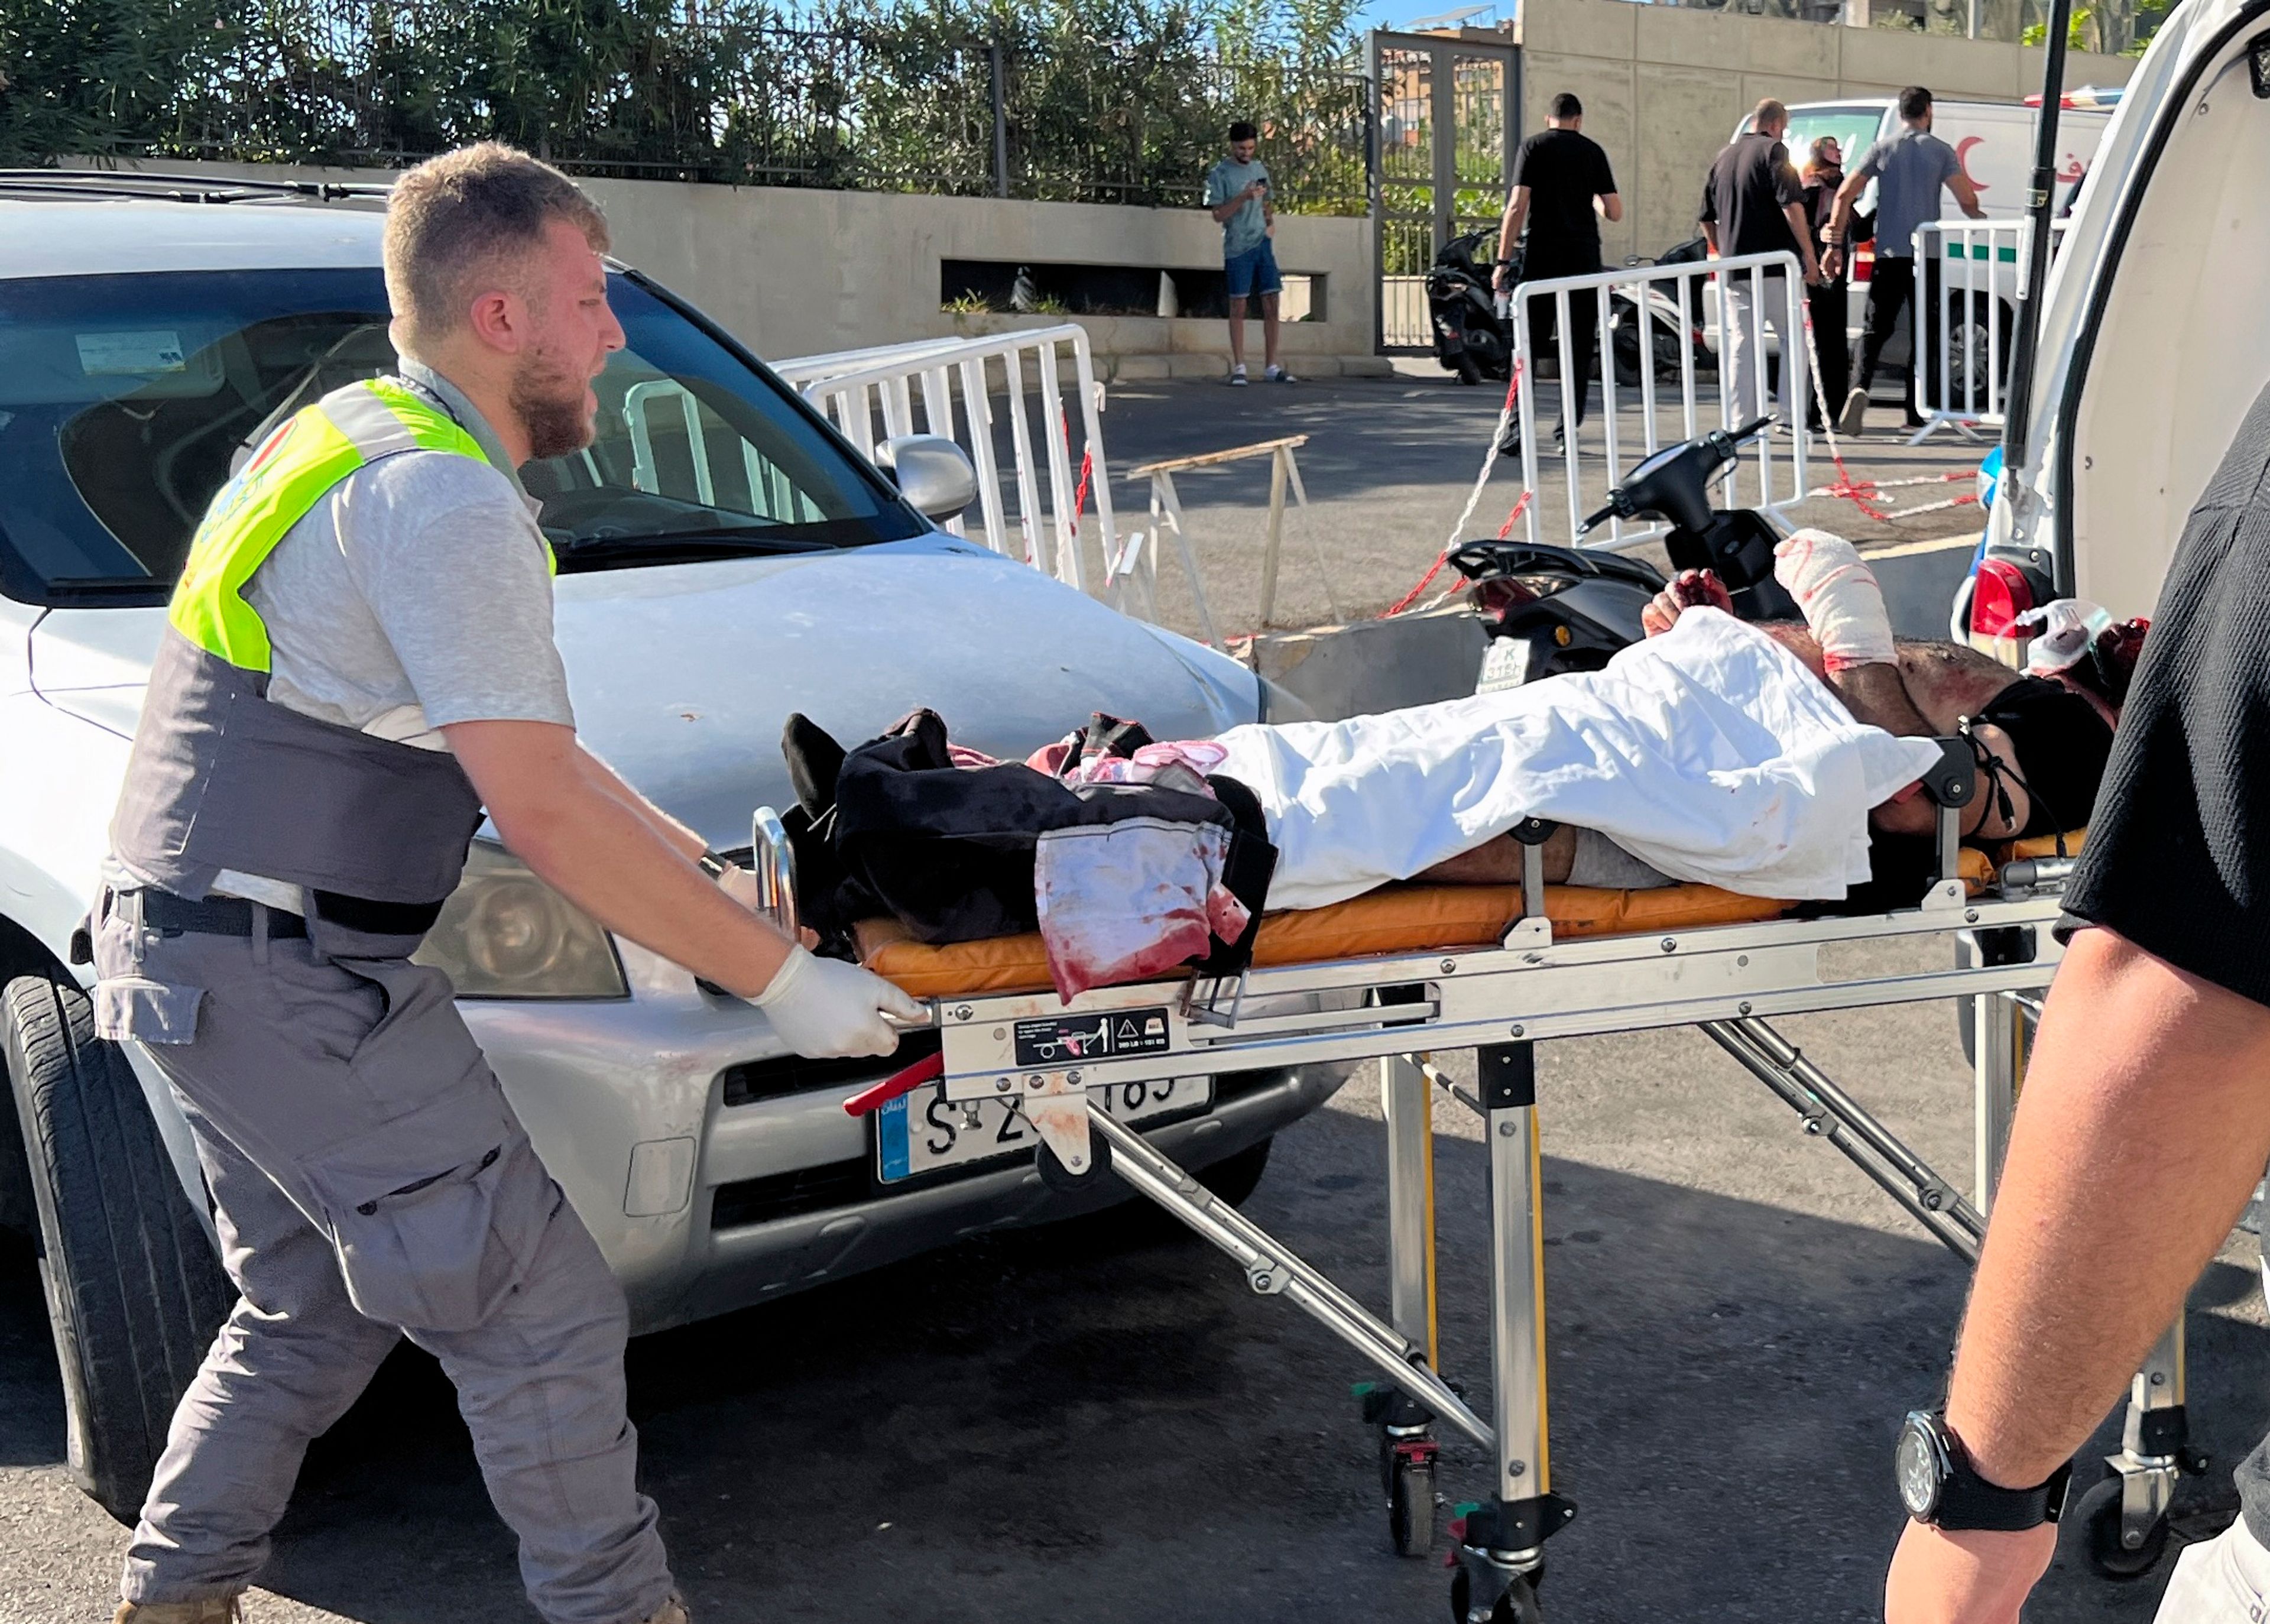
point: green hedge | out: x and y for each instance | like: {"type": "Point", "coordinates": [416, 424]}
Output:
{"type": "Point", "coordinates": [1120, 101]}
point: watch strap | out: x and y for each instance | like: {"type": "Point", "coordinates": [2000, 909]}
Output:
{"type": "Point", "coordinates": [712, 864]}
{"type": "Point", "coordinates": [1967, 1501]}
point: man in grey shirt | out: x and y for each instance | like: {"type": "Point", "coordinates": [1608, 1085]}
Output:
{"type": "Point", "coordinates": [1909, 169]}
{"type": "Point", "coordinates": [357, 661]}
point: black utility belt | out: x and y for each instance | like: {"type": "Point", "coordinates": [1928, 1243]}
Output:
{"type": "Point", "coordinates": [226, 916]}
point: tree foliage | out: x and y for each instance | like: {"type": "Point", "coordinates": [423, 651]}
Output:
{"type": "Point", "coordinates": [1108, 101]}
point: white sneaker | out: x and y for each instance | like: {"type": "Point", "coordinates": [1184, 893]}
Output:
{"type": "Point", "coordinates": [1855, 413]}
{"type": "Point", "coordinates": [1278, 375]}
{"type": "Point", "coordinates": [1237, 375]}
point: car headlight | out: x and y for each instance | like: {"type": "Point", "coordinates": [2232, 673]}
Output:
{"type": "Point", "coordinates": [504, 934]}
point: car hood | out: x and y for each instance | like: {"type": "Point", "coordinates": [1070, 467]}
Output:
{"type": "Point", "coordinates": [682, 676]}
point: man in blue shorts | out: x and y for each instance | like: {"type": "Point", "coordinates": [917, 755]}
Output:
{"type": "Point", "coordinates": [1237, 197]}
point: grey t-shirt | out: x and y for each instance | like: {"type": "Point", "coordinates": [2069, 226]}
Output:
{"type": "Point", "coordinates": [1244, 231]}
{"type": "Point", "coordinates": [415, 594]}
{"type": "Point", "coordinates": [1909, 168]}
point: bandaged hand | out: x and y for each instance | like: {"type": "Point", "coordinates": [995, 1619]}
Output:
{"type": "Point", "coordinates": [1841, 603]}
{"type": "Point", "coordinates": [1690, 588]}
{"type": "Point", "coordinates": [824, 1008]}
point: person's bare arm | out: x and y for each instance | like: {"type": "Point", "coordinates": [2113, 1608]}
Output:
{"type": "Point", "coordinates": [1966, 195]}
{"type": "Point", "coordinates": [2144, 1079]}
{"type": "Point", "coordinates": [1509, 231]}
{"type": "Point", "coordinates": [1710, 234]}
{"type": "Point", "coordinates": [1221, 212]}
{"type": "Point", "coordinates": [671, 833]}
{"type": "Point", "coordinates": [565, 815]}
{"type": "Point", "coordinates": [1612, 207]}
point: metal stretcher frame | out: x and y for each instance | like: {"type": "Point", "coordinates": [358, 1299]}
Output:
{"type": "Point", "coordinates": [1501, 1001]}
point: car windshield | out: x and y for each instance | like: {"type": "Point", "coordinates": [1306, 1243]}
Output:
{"type": "Point", "coordinates": [1855, 128]}
{"type": "Point", "coordinates": [125, 400]}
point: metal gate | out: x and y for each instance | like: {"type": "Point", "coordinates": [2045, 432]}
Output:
{"type": "Point", "coordinates": [1446, 114]}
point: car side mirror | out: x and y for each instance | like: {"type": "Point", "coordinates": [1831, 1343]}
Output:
{"type": "Point", "coordinates": [933, 474]}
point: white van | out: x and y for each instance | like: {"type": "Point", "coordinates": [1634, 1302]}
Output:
{"type": "Point", "coordinates": [1993, 139]}
{"type": "Point", "coordinates": [2151, 350]}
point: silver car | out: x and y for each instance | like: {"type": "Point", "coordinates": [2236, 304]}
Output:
{"type": "Point", "coordinates": [142, 344]}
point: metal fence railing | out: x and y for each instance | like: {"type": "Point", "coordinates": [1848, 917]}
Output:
{"type": "Point", "coordinates": [838, 93]}
{"type": "Point", "coordinates": [1967, 310]}
{"type": "Point", "coordinates": [947, 386]}
{"type": "Point", "coordinates": [1683, 349]}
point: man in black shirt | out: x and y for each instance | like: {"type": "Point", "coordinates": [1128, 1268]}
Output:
{"type": "Point", "coordinates": [1753, 204]}
{"type": "Point", "coordinates": [1559, 178]}
{"type": "Point", "coordinates": [2146, 1117]}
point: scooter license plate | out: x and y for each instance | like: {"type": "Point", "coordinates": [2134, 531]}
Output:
{"type": "Point", "coordinates": [923, 1131]}
{"type": "Point", "coordinates": [1505, 665]}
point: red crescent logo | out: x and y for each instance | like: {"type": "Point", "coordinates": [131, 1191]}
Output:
{"type": "Point", "coordinates": [1963, 156]}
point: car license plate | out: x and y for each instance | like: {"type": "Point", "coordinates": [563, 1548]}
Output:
{"type": "Point", "coordinates": [923, 1131]}
{"type": "Point", "coordinates": [1505, 665]}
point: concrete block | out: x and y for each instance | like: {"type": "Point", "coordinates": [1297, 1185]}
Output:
{"type": "Point", "coordinates": [1692, 38]}
{"type": "Point", "coordinates": [1372, 665]}
{"type": "Point", "coordinates": [1184, 365]}
{"type": "Point", "coordinates": [1606, 28]}
{"type": "Point", "coordinates": [1134, 368]}
{"type": "Point", "coordinates": [1689, 112]}
{"type": "Point", "coordinates": [1951, 67]}
{"type": "Point", "coordinates": [1367, 366]}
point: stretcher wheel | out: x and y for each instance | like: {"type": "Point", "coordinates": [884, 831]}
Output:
{"type": "Point", "coordinates": [1410, 1505]}
{"type": "Point", "coordinates": [2098, 1513]}
{"type": "Point", "coordinates": [1517, 1606]}
{"type": "Point", "coordinates": [1063, 1180]}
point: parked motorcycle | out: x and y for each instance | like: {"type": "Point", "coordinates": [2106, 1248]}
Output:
{"type": "Point", "coordinates": [1473, 340]}
{"type": "Point", "coordinates": [1547, 610]}
{"type": "Point", "coordinates": [1470, 337]}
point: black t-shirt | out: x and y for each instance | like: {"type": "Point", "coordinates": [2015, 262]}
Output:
{"type": "Point", "coordinates": [1749, 185]}
{"type": "Point", "coordinates": [2179, 853]}
{"type": "Point", "coordinates": [1564, 171]}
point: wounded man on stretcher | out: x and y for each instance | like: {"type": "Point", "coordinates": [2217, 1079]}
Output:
{"type": "Point", "coordinates": [1775, 761]}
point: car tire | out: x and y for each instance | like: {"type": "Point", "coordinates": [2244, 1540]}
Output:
{"type": "Point", "coordinates": [134, 1291]}
{"type": "Point", "coordinates": [1235, 1177]}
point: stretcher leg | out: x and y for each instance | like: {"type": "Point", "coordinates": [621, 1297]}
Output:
{"type": "Point", "coordinates": [1501, 1555]}
{"type": "Point", "coordinates": [1273, 1270]}
{"type": "Point", "coordinates": [1997, 1044]}
{"type": "Point", "coordinates": [1407, 1451]}
{"type": "Point", "coordinates": [2124, 1516]}
{"type": "Point", "coordinates": [1835, 1115]}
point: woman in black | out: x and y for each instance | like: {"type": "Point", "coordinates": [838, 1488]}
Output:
{"type": "Point", "coordinates": [1822, 175]}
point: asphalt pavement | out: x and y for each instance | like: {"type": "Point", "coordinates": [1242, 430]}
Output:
{"type": "Point", "coordinates": [1390, 465]}
{"type": "Point", "coordinates": [1100, 1421]}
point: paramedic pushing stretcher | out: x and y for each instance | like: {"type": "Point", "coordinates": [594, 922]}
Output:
{"type": "Point", "coordinates": [358, 658]}
{"type": "Point", "coordinates": [2146, 1116]}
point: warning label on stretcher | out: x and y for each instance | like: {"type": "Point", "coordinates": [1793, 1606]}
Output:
{"type": "Point", "coordinates": [1056, 1041]}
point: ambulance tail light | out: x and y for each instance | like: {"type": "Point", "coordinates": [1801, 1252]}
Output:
{"type": "Point", "coordinates": [2001, 595]}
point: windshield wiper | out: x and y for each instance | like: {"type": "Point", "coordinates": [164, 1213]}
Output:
{"type": "Point", "coordinates": [678, 545]}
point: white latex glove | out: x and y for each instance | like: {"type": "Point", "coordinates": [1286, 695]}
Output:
{"type": "Point", "coordinates": [824, 1008]}
{"type": "Point", "coordinates": [1841, 602]}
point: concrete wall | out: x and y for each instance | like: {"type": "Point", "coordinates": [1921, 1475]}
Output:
{"type": "Point", "coordinates": [1664, 85]}
{"type": "Point", "coordinates": [794, 272]}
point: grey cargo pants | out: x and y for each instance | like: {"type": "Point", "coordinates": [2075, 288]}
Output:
{"type": "Point", "coordinates": [370, 1182]}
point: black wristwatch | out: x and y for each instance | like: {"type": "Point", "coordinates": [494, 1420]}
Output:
{"type": "Point", "coordinates": [1939, 1487]}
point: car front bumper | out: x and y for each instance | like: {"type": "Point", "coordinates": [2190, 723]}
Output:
{"type": "Point", "coordinates": [716, 1172]}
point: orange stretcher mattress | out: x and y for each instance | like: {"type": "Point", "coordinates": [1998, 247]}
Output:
{"type": "Point", "coordinates": [1391, 919]}
{"type": "Point", "coordinates": [1979, 867]}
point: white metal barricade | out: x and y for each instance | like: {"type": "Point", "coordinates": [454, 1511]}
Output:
{"type": "Point", "coordinates": [911, 388]}
{"type": "Point", "coordinates": [1966, 310]}
{"type": "Point", "coordinates": [1672, 319]}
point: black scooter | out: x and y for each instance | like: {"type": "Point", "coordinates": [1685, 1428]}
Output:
{"type": "Point", "coordinates": [1548, 610]}
{"type": "Point", "coordinates": [1473, 340]}
{"type": "Point", "coordinates": [1470, 339]}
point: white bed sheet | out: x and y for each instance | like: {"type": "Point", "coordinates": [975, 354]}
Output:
{"type": "Point", "coordinates": [1710, 752]}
